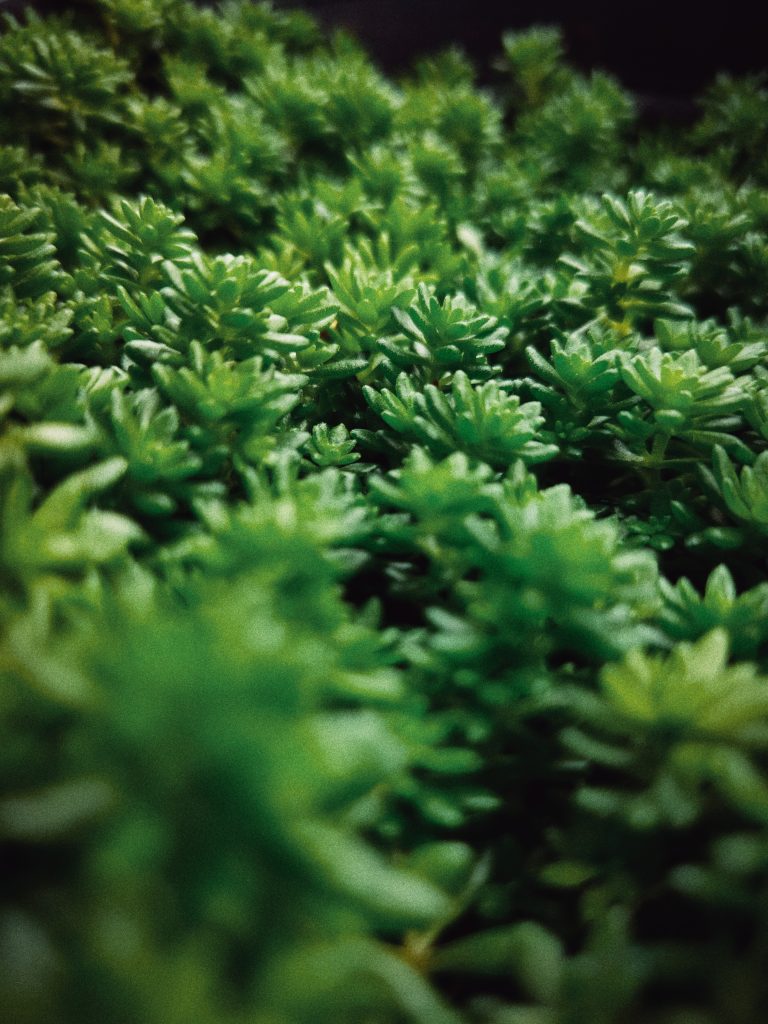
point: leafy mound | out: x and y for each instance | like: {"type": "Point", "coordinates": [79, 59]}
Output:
{"type": "Point", "coordinates": [383, 503]}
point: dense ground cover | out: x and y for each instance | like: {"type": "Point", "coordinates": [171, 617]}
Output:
{"type": "Point", "coordinates": [383, 511]}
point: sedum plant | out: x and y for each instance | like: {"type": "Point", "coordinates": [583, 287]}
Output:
{"type": "Point", "coordinates": [383, 510]}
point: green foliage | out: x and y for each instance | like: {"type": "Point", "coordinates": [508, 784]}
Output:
{"type": "Point", "coordinates": [441, 337]}
{"type": "Point", "coordinates": [735, 116]}
{"type": "Point", "coordinates": [575, 136]}
{"type": "Point", "coordinates": [331, 447]}
{"type": "Point", "coordinates": [482, 421]}
{"type": "Point", "coordinates": [682, 398]}
{"type": "Point", "coordinates": [632, 252]}
{"type": "Point", "coordinates": [744, 494]}
{"type": "Point", "coordinates": [25, 261]}
{"type": "Point", "coordinates": [687, 614]}
{"type": "Point", "coordinates": [383, 506]}
{"type": "Point", "coordinates": [60, 80]}
{"type": "Point", "coordinates": [534, 62]}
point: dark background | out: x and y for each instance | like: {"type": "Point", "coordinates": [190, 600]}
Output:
{"type": "Point", "coordinates": [670, 50]}
{"type": "Point", "coordinates": [661, 51]}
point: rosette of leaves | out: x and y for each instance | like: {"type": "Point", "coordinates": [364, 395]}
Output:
{"type": "Point", "coordinates": [688, 614]}
{"type": "Point", "coordinates": [483, 421]}
{"type": "Point", "coordinates": [577, 388]}
{"type": "Point", "coordinates": [58, 540]}
{"type": "Point", "coordinates": [533, 62]}
{"type": "Point", "coordinates": [229, 174]}
{"type": "Point", "coordinates": [367, 293]}
{"type": "Point", "coordinates": [547, 566]}
{"type": "Point", "coordinates": [631, 254]}
{"type": "Point", "coordinates": [681, 398]}
{"type": "Point", "coordinates": [227, 303]}
{"type": "Point", "coordinates": [673, 742]}
{"type": "Point", "coordinates": [27, 260]}
{"type": "Point", "coordinates": [440, 337]}
{"type": "Point", "coordinates": [734, 115]}
{"type": "Point", "coordinates": [740, 347]}
{"type": "Point", "coordinates": [130, 245]}
{"type": "Point", "coordinates": [463, 117]}
{"type": "Point", "coordinates": [541, 564]}
{"type": "Point", "coordinates": [359, 104]}
{"type": "Point", "coordinates": [22, 323]}
{"type": "Point", "coordinates": [61, 81]}
{"type": "Point", "coordinates": [744, 493]}
{"type": "Point", "coordinates": [575, 136]}
{"type": "Point", "coordinates": [518, 296]}
{"type": "Point", "coordinates": [163, 472]}
{"type": "Point", "coordinates": [231, 409]}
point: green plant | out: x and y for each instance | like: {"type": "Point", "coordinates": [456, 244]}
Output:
{"type": "Point", "coordinates": [383, 505]}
